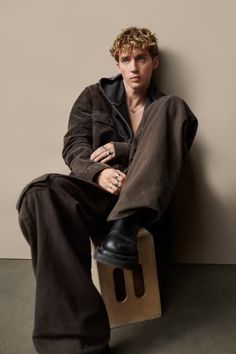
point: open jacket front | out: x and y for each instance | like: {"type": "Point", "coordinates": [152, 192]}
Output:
{"type": "Point", "coordinates": [99, 116]}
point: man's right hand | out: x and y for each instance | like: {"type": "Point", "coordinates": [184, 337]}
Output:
{"type": "Point", "coordinates": [111, 180]}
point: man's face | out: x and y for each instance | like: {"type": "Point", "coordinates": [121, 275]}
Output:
{"type": "Point", "coordinates": [136, 68]}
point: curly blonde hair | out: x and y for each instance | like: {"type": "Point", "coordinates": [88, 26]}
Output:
{"type": "Point", "coordinates": [134, 37]}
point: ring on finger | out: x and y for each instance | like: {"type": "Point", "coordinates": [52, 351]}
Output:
{"type": "Point", "coordinates": [116, 183]}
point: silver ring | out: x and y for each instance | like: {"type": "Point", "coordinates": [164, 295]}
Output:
{"type": "Point", "coordinates": [116, 184]}
{"type": "Point", "coordinates": [117, 176]}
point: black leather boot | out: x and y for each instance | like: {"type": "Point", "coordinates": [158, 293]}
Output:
{"type": "Point", "coordinates": [119, 247]}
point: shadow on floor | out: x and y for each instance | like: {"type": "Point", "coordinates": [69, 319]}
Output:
{"type": "Point", "coordinates": [199, 316]}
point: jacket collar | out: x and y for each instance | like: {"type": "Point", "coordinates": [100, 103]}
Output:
{"type": "Point", "coordinates": [113, 89]}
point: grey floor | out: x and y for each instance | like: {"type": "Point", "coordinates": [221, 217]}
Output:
{"type": "Point", "coordinates": [199, 303]}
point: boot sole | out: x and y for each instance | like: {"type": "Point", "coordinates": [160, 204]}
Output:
{"type": "Point", "coordinates": [115, 260]}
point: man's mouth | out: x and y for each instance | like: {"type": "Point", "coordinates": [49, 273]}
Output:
{"type": "Point", "coordinates": [135, 78]}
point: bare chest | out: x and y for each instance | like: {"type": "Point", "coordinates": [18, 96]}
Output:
{"type": "Point", "coordinates": [135, 118]}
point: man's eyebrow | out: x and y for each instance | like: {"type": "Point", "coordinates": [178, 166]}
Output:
{"type": "Point", "coordinates": [140, 55]}
{"type": "Point", "coordinates": [124, 57]}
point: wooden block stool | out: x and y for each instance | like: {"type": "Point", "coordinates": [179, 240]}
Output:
{"type": "Point", "coordinates": [130, 295]}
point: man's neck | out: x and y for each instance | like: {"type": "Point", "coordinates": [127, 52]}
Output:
{"type": "Point", "coordinates": [134, 97]}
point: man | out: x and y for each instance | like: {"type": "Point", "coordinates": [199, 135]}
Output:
{"type": "Point", "coordinates": [126, 145]}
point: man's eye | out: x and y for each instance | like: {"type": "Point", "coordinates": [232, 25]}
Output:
{"type": "Point", "coordinates": [125, 60]}
{"type": "Point", "coordinates": [141, 58]}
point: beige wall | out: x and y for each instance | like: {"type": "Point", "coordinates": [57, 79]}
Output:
{"type": "Point", "coordinates": [51, 49]}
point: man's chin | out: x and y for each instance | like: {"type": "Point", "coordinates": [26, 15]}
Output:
{"type": "Point", "coordinates": [136, 85]}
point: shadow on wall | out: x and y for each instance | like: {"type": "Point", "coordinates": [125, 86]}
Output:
{"type": "Point", "coordinates": [201, 224]}
{"type": "Point", "coordinates": [169, 76]}
{"type": "Point", "coordinates": [197, 226]}
{"type": "Point", "coordinates": [185, 212]}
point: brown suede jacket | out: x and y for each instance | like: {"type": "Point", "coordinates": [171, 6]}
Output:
{"type": "Point", "coordinates": [99, 116]}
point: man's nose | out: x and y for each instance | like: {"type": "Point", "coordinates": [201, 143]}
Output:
{"type": "Point", "coordinates": [133, 66]}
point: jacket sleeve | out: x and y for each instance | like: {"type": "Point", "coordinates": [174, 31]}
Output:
{"type": "Point", "coordinates": [78, 144]}
{"type": "Point", "coordinates": [122, 150]}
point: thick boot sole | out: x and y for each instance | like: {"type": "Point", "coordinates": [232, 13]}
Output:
{"type": "Point", "coordinates": [115, 260]}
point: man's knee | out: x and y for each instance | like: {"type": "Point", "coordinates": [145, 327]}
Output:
{"type": "Point", "coordinates": [36, 184]}
{"type": "Point", "coordinates": [26, 206]}
{"type": "Point", "coordinates": [53, 181]}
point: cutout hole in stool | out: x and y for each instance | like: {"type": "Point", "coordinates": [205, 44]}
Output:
{"type": "Point", "coordinates": [139, 288]}
{"type": "Point", "coordinates": [119, 283]}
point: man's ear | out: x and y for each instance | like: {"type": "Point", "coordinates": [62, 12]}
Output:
{"type": "Point", "coordinates": [155, 63]}
{"type": "Point", "coordinates": [118, 66]}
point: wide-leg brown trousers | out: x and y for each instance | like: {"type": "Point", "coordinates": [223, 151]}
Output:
{"type": "Point", "coordinates": [58, 214]}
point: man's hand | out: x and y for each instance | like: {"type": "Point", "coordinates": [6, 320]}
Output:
{"type": "Point", "coordinates": [103, 153]}
{"type": "Point", "coordinates": [111, 180]}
